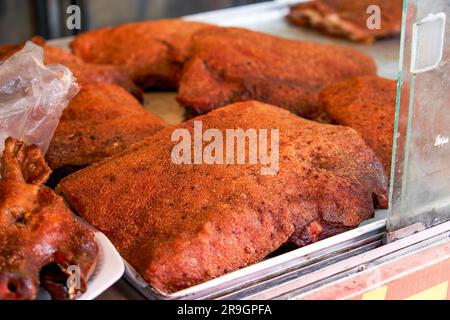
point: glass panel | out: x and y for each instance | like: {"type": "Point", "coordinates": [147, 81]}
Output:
{"type": "Point", "coordinates": [420, 185]}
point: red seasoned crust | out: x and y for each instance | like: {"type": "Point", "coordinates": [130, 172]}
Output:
{"type": "Point", "coordinates": [230, 65]}
{"type": "Point", "coordinates": [153, 51]}
{"type": "Point", "coordinates": [348, 18]}
{"type": "Point", "coordinates": [366, 104]}
{"type": "Point", "coordinates": [180, 225]}
{"type": "Point", "coordinates": [102, 120]}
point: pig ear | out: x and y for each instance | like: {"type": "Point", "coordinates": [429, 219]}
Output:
{"type": "Point", "coordinates": [26, 162]}
{"type": "Point", "coordinates": [34, 168]}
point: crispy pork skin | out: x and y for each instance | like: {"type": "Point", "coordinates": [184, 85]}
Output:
{"type": "Point", "coordinates": [231, 65]}
{"type": "Point", "coordinates": [182, 224]}
{"type": "Point", "coordinates": [153, 51]}
{"type": "Point", "coordinates": [366, 104]}
{"type": "Point", "coordinates": [102, 120]}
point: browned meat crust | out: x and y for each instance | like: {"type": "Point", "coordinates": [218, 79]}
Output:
{"type": "Point", "coordinates": [348, 18]}
{"type": "Point", "coordinates": [102, 120]}
{"type": "Point", "coordinates": [37, 230]}
{"type": "Point", "coordinates": [153, 51]}
{"type": "Point", "coordinates": [231, 65]}
{"type": "Point", "coordinates": [367, 104]}
{"type": "Point", "coordinates": [180, 225]}
{"type": "Point", "coordinates": [84, 72]}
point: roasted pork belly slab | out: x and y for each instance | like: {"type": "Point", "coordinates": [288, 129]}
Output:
{"type": "Point", "coordinates": [230, 65]}
{"type": "Point", "coordinates": [102, 120]}
{"type": "Point", "coordinates": [153, 51]}
{"type": "Point", "coordinates": [182, 224]}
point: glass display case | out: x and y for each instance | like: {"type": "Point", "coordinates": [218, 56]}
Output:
{"type": "Point", "coordinates": [420, 186]}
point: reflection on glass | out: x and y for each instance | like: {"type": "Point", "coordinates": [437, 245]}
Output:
{"type": "Point", "coordinates": [420, 186]}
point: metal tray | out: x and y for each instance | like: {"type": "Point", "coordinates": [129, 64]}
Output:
{"type": "Point", "coordinates": [267, 279]}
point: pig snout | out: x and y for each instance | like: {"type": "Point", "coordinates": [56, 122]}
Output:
{"type": "Point", "coordinates": [15, 286]}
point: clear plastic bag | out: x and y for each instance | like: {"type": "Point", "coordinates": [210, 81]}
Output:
{"type": "Point", "coordinates": [33, 96]}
